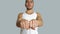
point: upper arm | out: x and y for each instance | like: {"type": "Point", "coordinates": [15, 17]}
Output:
{"type": "Point", "coordinates": [39, 17]}
{"type": "Point", "coordinates": [19, 17]}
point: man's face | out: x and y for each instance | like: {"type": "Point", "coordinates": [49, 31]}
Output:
{"type": "Point", "coordinates": [29, 4]}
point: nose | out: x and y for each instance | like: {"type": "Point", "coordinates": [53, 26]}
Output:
{"type": "Point", "coordinates": [29, 4]}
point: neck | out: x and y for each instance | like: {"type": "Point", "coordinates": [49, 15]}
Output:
{"type": "Point", "coordinates": [29, 11]}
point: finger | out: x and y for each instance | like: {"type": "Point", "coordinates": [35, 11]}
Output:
{"type": "Point", "coordinates": [27, 25]}
{"type": "Point", "coordinates": [24, 25]}
{"type": "Point", "coordinates": [21, 25]}
{"type": "Point", "coordinates": [31, 24]}
{"type": "Point", "coordinates": [35, 23]}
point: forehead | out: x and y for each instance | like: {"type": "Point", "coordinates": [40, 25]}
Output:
{"type": "Point", "coordinates": [29, 0]}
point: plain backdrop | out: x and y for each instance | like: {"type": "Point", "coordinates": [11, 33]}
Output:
{"type": "Point", "coordinates": [49, 9]}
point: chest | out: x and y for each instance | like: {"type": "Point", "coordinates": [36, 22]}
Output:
{"type": "Point", "coordinates": [29, 17]}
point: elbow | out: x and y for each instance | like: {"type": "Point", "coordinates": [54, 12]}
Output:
{"type": "Point", "coordinates": [41, 24]}
{"type": "Point", "coordinates": [18, 24]}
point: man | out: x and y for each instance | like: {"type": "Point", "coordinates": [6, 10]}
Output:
{"type": "Point", "coordinates": [29, 21]}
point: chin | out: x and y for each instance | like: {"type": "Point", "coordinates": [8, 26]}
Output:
{"type": "Point", "coordinates": [29, 8]}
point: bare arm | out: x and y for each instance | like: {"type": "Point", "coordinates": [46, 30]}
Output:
{"type": "Point", "coordinates": [39, 20]}
{"type": "Point", "coordinates": [22, 23]}
{"type": "Point", "coordinates": [19, 18]}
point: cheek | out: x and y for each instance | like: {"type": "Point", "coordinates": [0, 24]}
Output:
{"type": "Point", "coordinates": [32, 5]}
{"type": "Point", "coordinates": [26, 4]}
{"type": "Point", "coordinates": [29, 5]}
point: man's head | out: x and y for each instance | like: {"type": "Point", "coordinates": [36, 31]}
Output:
{"type": "Point", "coordinates": [29, 4]}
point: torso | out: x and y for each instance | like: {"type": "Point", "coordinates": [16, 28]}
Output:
{"type": "Point", "coordinates": [29, 17]}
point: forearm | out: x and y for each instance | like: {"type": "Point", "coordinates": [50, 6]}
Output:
{"type": "Point", "coordinates": [19, 18]}
{"type": "Point", "coordinates": [40, 23]}
{"type": "Point", "coordinates": [18, 24]}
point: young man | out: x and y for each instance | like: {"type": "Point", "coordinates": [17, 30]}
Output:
{"type": "Point", "coordinates": [29, 21]}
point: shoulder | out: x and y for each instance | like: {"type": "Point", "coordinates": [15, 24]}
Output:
{"type": "Point", "coordinates": [20, 14]}
{"type": "Point", "coordinates": [38, 14]}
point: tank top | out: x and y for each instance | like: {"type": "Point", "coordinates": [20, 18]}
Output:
{"type": "Point", "coordinates": [29, 17]}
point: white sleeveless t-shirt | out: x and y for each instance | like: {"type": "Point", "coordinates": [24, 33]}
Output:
{"type": "Point", "coordinates": [29, 17]}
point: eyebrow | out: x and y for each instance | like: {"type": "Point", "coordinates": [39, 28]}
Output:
{"type": "Point", "coordinates": [26, 1]}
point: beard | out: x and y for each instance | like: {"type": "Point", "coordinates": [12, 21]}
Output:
{"type": "Point", "coordinates": [29, 8]}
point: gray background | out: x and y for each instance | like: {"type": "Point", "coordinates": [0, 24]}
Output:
{"type": "Point", "coordinates": [49, 9]}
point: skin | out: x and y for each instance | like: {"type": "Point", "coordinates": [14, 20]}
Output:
{"type": "Point", "coordinates": [22, 23]}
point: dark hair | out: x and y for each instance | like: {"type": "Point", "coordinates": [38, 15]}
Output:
{"type": "Point", "coordinates": [26, 1]}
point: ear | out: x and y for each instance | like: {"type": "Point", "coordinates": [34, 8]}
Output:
{"type": "Point", "coordinates": [25, 4]}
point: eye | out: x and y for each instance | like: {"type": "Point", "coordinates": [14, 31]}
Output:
{"type": "Point", "coordinates": [31, 1]}
{"type": "Point", "coordinates": [26, 1]}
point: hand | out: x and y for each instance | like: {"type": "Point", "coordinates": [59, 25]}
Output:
{"type": "Point", "coordinates": [27, 25]}
{"type": "Point", "coordinates": [24, 24]}
{"type": "Point", "coordinates": [33, 24]}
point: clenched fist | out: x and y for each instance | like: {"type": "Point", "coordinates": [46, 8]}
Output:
{"type": "Point", "coordinates": [28, 24]}
{"type": "Point", "coordinates": [24, 24]}
{"type": "Point", "coordinates": [33, 24]}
